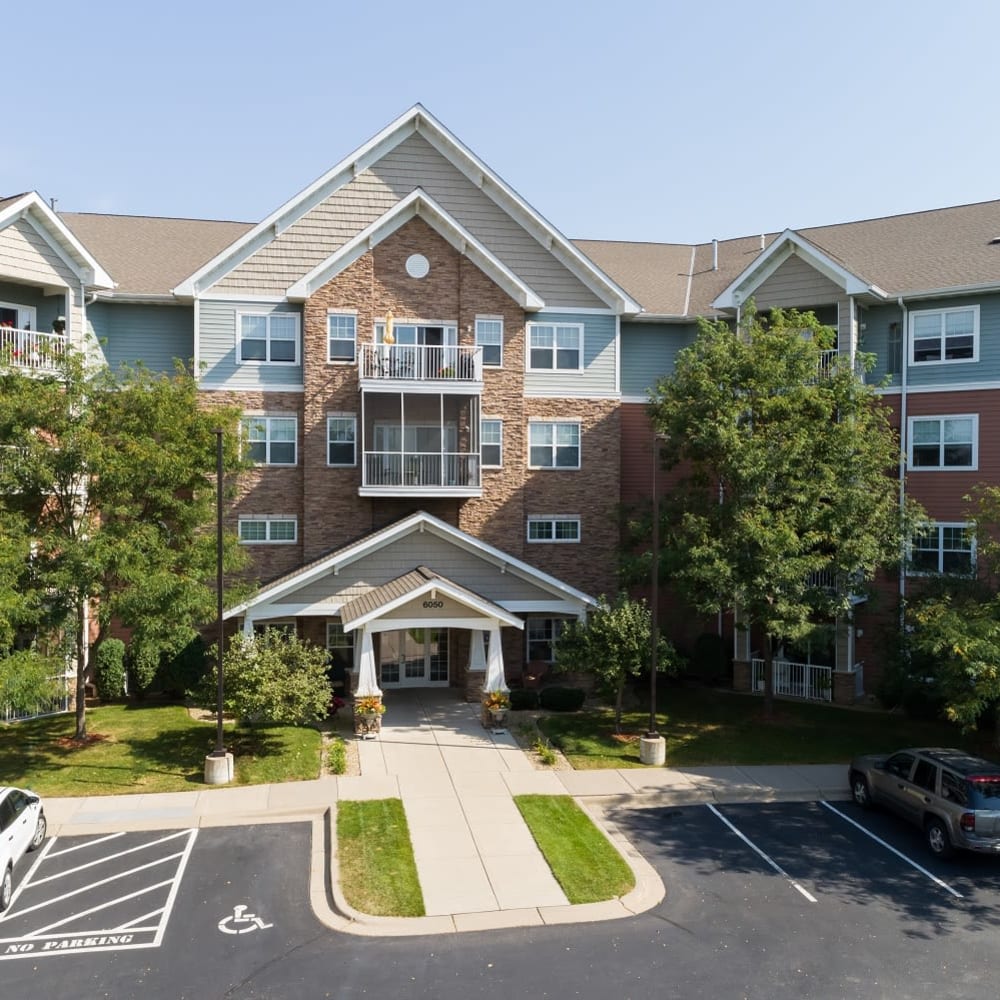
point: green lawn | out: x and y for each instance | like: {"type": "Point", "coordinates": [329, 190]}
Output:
{"type": "Point", "coordinates": [377, 872]}
{"type": "Point", "coordinates": [716, 727]}
{"type": "Point", "coordinates": [146, 748]}
{"type": "Point", "coordinates": [587, 867]}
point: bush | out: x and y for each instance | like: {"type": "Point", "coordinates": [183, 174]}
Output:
{"type": "Point", "coordinates": [709, 662]}
{"type": "Point", "coordinates": [562, 699]}
{"type": "Point", "coordinates": [143, 663]}
{"type": "Point", "coordinates": [522, 699]}
{"type": "Point", "coordinates": [109, 670]}
{"type": "Point", "coordinates": [181, 673]}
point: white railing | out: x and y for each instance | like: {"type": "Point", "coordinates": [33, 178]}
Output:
{"type": "Point", "coordinates": [31, 349]}
{"type": "Point", "coordinates": [829, 360]}
{"type": "Point", "coordinates": [796, 680]}
{"type": "Point", "coordinates": [421, 469]}
{"type": "Point", "coordinates": [421, 363]}
{"type": "Point", "coordinates": [55, 706]}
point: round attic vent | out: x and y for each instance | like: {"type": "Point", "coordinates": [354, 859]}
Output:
{"type": "Point", "coordinates": [417, 266]}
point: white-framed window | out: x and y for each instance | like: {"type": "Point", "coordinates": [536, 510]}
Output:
{"type": "Point", "coordinates": [489, 336]}
{"type": "Point", "coordinates": [491, 438]}
{"type": "Point", "coordinates": [340, 653]}
{"type": "Point", "coordinates": [942, 548]}
{"type": "Point", "coordinates": [342, 337]}
{"type": "Point", "coordinates": [553, 529]}
{"type": "Point", "coordinates": [944, 442]}
{"type": "Point", "coordinates": [18, 317]}
{"type": "Point", "coordinates": [554, 444]}
{"type": "Point", "coordinates": [267, 338]}
{"type": "Point", "coordinates": [541, 635]}
{"type": "Point", "coordinates": [270, 440]}
{"type": "Point", "coordinates": [286, 626]}
{"type": "Point", "coordinates": [341, 439]}
{"type": "Point", "coordinates": [555, 347]}
{"type": "Point", "coordinates": [939, 336]}
{"type": "Point", "coordinates": [271, 529]}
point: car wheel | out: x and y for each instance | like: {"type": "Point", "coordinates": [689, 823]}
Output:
{"type": "Point", "coordinates": [859, 790]}
{"type": "Point", "coordinates": [6, 889]}
{"type": "Point", "coordinates": [40, 827]}
{"type": "Point", "coordinates": [937, 838]}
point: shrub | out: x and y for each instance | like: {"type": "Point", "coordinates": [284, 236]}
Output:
{"type": "Point", "coordinates": [109, 670]}
{"type": "Point", "coordinates": [143, 663]}
{"type": "Point", "coordinates": [562, 699]}
{"type": "Point", "coordinates": [545, 752]}
{"type": "Point", "coordinates": [181, 673]}
{"type": "Point", "coordinates": [710, 661]}
{"type": "Point", "coordinates": [522, 699]}
{"type": "Point", "coordinates": [337, 756]}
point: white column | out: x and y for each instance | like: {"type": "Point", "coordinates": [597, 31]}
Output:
{"type": "Point", "coordinates": [367, 676]}
{"type": "Point", "coordinates": [495, 680]}
{"type": "Point", "coordinates": [477, 651]}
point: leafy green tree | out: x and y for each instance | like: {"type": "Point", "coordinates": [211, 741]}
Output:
{"type": "Point", "coordinates": [784, 463]}
{"type": "Point", "coordinates": [613, 644]}
{"type": "Point", "coordinates": [272, 677]}
{"type": "Point", "coordinates": [27, 680]}
{"type": "Point", "coordinates": [113, 475]}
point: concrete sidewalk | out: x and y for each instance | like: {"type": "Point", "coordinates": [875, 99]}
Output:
{"type": "Point", "coordinates": [477, 863]}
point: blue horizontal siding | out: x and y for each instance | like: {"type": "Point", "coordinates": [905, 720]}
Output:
{"type": "Point", "coordinates": [598, 377]}
{"type": "Point", "coordinates": [156, 336]}
{"type": "Point", "coordinates": [649, 351]}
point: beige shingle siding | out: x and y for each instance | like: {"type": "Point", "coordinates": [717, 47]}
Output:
{"type": "Point", "coordinates": [412, 164]}
{"type": "Point", "coordinates": [26, 256]}
{"type": "Point", "coordinates": [796, 284]}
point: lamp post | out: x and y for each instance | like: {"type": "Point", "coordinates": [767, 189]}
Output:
{"type": "Point", "coordinates": [652, 746]}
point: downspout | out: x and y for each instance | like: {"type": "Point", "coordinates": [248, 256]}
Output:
{"type": "Point", "coordinates": [905, 364]}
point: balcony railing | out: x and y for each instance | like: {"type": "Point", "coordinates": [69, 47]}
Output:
{"type": "Point", "coordinates": [796, 680]}
{"type": "Point", "coordinates": [57, 704]}
{"type": "Point", "coordinates": [405, 471]}
{"type": "Point", "coordinates": [31, 349]}
{"type": "Point", "coordinates": [829, 360]}
{"type": "Point", "coordinates": [421, 363]}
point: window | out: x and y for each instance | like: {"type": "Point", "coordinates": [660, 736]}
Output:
{"type": "Point", "coordinates": [553, 529]}
{"type": "Point", "coordinates": [900, 764]}
{"type": "Point", "coordinates": [270, 440]}
{"type": "Point", "coordinates": [953, 788]}
{"type": "Point", "coordinates": [286, 627]}
{"type": "Point", "coordinates": [491, 434]}
{"type": "Point", "coordinates": [943, 335]}
{"type": "Point", "coordinates": [942, 548]}
{"type": "Point", "coordinates": [542, 634]}
{"type": "Point", "coordinates": [340, 654]}
{"type": "Point", "coordinates": [342, 331]}
{"type": "Point", "coordinates": [894, 349]}
{"type": "Point", "coordinates": [555, 346]}
{"type": "Point", "coordinates": [925, 775]}
{"type": "Point", "coordinates": [268, 338]}
{"type": "Point", "coordinates": [944, 442]}
{"type": "Point", "coordinates": [554, 445]}
{"type": "Point", "coordinates": [272, 529]}
{"type": "Point", "coordinates": [341, 437]}
{"type": "Point", "coordinates": [489, 336]}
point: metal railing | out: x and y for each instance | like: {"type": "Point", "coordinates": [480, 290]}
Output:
{"type": "Point", "coordinates": [421, 469]}
{"type": "Point", "coordinates": [421, 363]}
{"type": "Point", "coordinates": [796, 680]}
{"type": "Point", "coordinates": [54, 706]}
{"type": "Point", "coordinates": [31, 349]}
{"type": "Point", "coordinates": [830, 360]}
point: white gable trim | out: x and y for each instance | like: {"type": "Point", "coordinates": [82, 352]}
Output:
{"type": "Point", "coordinates": [417, 203]}
{"type": "Point", "coordinates": [421, 521]}
{"type": "Point", "coordinates": [54, 231]}
{"type": "Point", "coordinates": [788, 244]}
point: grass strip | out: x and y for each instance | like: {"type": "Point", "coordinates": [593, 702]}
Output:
{"type": "Point", "coordinates": [377, 872]}
{"type": "Point", "coordinates": [582, 860]}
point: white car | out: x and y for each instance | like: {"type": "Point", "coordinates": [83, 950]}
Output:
{"type": "Point", "coordinates": [22, 829]}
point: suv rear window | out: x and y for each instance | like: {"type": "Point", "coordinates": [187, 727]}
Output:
{"type": "Point", "coordinates": [985, 791]}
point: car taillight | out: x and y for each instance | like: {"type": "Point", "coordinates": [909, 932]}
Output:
{"type": "Point", "coordinates": [968, 822]}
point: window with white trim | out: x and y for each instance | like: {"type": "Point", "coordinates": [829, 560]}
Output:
{"type": "Point", "coordinates": [554, 445]}
{"type": "Point", "coordinates": [272, 529]}
{"type": "Point", "coordinates": [939, 336]}
{"type": "Point", "coordinates": [340, 654]}
{"type": "Point", "coordinates": [944, 442]}
{"type": "Point", "coordinates": [270, 440]}
{"type": "Point", "coordinates": [541, 635]}
{"type": "Point", "coordinates": [267, 338]}
{"type": "Point", "coordinates": [341, 440]}
{"type": "Point", "coordinates": [491, 443]}
{"type": "Point", "coordinates": [342, 335]}
{"type": "Point", "coordinates": [555, 347]}
{"type": "Point", "coordinates": [489, 336]}
{"type": "Point", "coordinates": [942, 548]}
{"type": "Point", "coordinates": [553, 529]}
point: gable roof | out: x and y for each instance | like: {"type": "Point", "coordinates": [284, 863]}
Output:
{"type": "Point", "coordinates": [32, 207]}
{"type": "Point", "coordinates": [416, 120]}
{"type": "Point", "coordinates": [421, 521]}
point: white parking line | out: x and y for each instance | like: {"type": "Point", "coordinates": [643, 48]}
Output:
{"type": "Point", "coordinates": [746, 840]}
{"type": "Point", "coordinates": [889, 847]}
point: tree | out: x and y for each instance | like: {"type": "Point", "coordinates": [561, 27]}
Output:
{"type": "Point", "coordinates": [613, 644]}
{"type": "Point", "coordinates": [783, 463]}
{"type": "Point", "coordinates": [273, 677]}
{"type": "Point", "coordinates": [113, 476]}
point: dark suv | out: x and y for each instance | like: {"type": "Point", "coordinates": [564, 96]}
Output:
{"type": "Point", "coordinates": [952, 796]}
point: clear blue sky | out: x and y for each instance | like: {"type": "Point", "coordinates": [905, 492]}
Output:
{"type": "Point", "coordinates": [661, 121]}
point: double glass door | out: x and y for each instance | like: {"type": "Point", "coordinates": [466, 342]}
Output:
{"type": "Point", "coordinates": [414, 657]}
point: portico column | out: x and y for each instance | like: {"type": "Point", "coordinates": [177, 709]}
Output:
{"type": "Point", "coordinates": [495, 680]}
{"type": "Point", "coordinates": [367, 676]}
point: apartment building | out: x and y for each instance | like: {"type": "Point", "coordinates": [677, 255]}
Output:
{"type": "Point", "coordinates": [444, 397]}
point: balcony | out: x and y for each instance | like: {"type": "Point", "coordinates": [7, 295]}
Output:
{"type": "Point", "coordinates": [415, 473]}
{"type": "Point", "coordinates": [31, 349]}
{"type": "Point", "coordinates": [421, 366]}
{"type": "Point", "coordinates": [829, 361]}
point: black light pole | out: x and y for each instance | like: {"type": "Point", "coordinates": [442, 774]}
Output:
{"type": "Point", "coordinates": [655, 610]}
{"type": "Point", "coordinates": [220, 750]}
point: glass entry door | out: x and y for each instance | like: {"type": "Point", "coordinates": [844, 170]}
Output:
{"type": "Point", "coordinates": [414, 657]}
